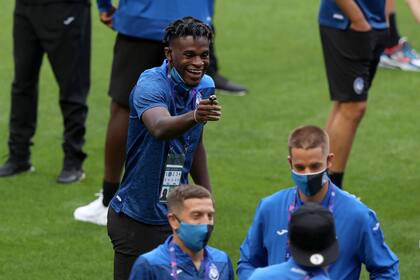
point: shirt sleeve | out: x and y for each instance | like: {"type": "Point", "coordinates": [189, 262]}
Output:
{"type": "Point", "coordinates": [104, 5]}
{"type": "Point", "coordinates": [142, 270]}
{"type": "Point", "coordinates": [380, 261]}
{"type": "Point", "coordinates": [147, 95]}
{"type": "Point", "coordinates": [230, 267]}
{"type": "Point", "coordinates": [252, 251]}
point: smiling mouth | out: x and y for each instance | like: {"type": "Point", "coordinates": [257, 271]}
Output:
{"type": "Point", "coordinates": [195, 72]}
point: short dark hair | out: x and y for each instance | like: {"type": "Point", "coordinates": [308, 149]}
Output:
{"type": "Point", "coordinates": [177, 197]}
{"type": "Point", "coordinates": [309, 137]}
{"type": "Point", "coordinates": [187, 26]}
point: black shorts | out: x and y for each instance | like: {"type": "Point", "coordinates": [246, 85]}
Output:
{"type": "Point", "coordinates": [131, 57]}
{"type": "Point", "coordinates": [351, 59]}
{"type": "Point", "coordinates": [131, 239]}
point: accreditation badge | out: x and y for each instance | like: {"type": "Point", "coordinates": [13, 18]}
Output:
{"type": "Point", "coordinates": [172, 176]}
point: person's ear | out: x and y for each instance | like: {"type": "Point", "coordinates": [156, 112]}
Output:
{"type": "Point", "coordinates": [173, 221]}
{"type": "Point", "coordinates": [330, 159]}
{"type": "Point", "coordinates": [168, 54]}
{"type": "Point", "coordinates": [289, 159]}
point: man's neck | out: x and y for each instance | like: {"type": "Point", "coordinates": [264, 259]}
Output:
{"type": "Point", "coordinates": [316, 198]}
{"type": "Point", "coordinates": [196, 257]}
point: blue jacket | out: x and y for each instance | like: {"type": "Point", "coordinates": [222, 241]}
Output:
{"type": "Point", "coordinates": [358, 232]}
{"type": "Point", "coordinates": [330, 14]}
{"type": "Point", "coordinates": [138, 195]}
{"type": "Point", "coordinates": [148, 19]}
{"type": "Point", "coordinates": [156, 265]}
{"type": "Point", "coordinates": [289, 270]}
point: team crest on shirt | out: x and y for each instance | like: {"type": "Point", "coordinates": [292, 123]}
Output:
{"type": "Point", "coordinates": [213, 273]}
{"type": "Point", "coordinates": [359, 85]}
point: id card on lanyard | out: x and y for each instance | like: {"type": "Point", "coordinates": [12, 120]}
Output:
{"type": "Point", "coordinates": [172, 174]}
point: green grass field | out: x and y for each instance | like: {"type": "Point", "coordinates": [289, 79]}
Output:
{"type": "Point", "coordinates": [273, 47]}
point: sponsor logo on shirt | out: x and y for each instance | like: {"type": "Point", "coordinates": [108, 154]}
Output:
{"type": "Point", "coordinates": [281, 232]}
{"type": "Point", "coordinates": [178, 271]}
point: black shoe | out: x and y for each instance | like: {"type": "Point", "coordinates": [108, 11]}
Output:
{"type": "Point", "coordinates": [12, 167]}
{"type": "Point", "coordinates": [227, 87]}
{"type": "Point", "coordinates": [72, 175]}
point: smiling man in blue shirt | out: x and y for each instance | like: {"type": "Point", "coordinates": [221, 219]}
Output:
{"type": "Point", "coordinates": [358, 230]}
{"type": "Point", "coordinates": [168, 109]}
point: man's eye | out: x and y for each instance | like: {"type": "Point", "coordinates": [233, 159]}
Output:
{"type": "Point", "coordinates": [299, 168]}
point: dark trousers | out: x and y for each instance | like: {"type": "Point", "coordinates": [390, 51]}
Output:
{"type": "Point", "coordinates": [131, 239]}
{"type": "Point", "coordinates": [62, 31]}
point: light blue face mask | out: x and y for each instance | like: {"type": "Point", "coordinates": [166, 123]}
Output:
{"type": "Point", "coordinates": [180, 84]}
{"type": "Point", "coordinates": [310, 183]}
{"type": "Point", "coordinates": [194, 236]}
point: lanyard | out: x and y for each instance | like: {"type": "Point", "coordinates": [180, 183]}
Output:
{"type": "Point", "coordinates": [293, 205]}
{"type": "Point", "coordinates": [174, 266]}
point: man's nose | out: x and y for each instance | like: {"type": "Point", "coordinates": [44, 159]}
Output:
{"type": "Point", "coordinates": [198, 61]}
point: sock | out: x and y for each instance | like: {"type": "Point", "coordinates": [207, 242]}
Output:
{"type": "Point", "coordinates": [394, 35]}
{"type": "Point", "coordinates": [108, 190]}
{"type": "Point", "coordinates": [337, 178]}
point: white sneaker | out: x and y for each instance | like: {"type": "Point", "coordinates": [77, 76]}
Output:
{"type": "Point", "coordinates": [95, 212]}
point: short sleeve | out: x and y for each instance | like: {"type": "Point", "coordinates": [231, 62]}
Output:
{"type": "Point", "coordinates": [142, 270]}
{"type": "Point", "coordinates": [150, 93]}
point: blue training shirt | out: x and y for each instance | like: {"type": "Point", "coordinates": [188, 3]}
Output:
{"type": "Point", "coordinates": [331, 15]}
{"type": "Point", "coordinates": [148, 19]}
{"type": "Point", "coordinates": [358, 232]}
{"type": "Point", "coordinates": [156, 265]}
{"type": "Point", "coordinates": [138, 195]}
{"type": "Point", "coordinates": [289, 270]}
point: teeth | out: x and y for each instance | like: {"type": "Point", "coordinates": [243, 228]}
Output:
{"type": "Point", "coordinates": [195, 71]}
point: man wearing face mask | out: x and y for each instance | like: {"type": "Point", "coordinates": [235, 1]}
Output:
{"type": "Point", "coordinates": [185, 254]}
{"type": "Point", "coordinates": [169, 106]}
{"type": "Point", "coordinates": [358, 230]}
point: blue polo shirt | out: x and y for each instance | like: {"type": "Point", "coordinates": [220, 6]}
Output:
{"type": "Point", "coordinates": [289, 270]}
{"type": "Point", "coordinates": [148, 19]}
{"type": "Point", "coordinates": [138, 195]}
{"type": "Point", "coordinates": [357, 228]}
{"type": "Point", "coordinates": [330, 14]}
{"type": "Point", "coordinates": [156, 265]}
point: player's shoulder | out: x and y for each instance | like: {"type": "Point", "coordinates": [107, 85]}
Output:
{"type": "Point", "coordinates": [206, 82]}
{"type": "Point", "coordinates": [217, 255]}
{"type": "Point", "coordinates": [272, 271]}
{"type": "Point", "coordinates": [352, 204]}
{"type": "Point", "coordinates": [277, 198]}
{"type": "Point", "coordinates": [157, 256]}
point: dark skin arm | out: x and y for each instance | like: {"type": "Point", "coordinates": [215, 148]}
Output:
{"type": "Point", "coordinates": [199, 171]}
{"type": "Point", "coordinates": [355, 15]}
{"type": "Point", "coordinates": [163, 126]}
{"type": "Point", "coordinates": [106, 17]}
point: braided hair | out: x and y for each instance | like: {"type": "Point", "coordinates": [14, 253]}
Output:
{"type": "Point", "coordinates": [187, 26]}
